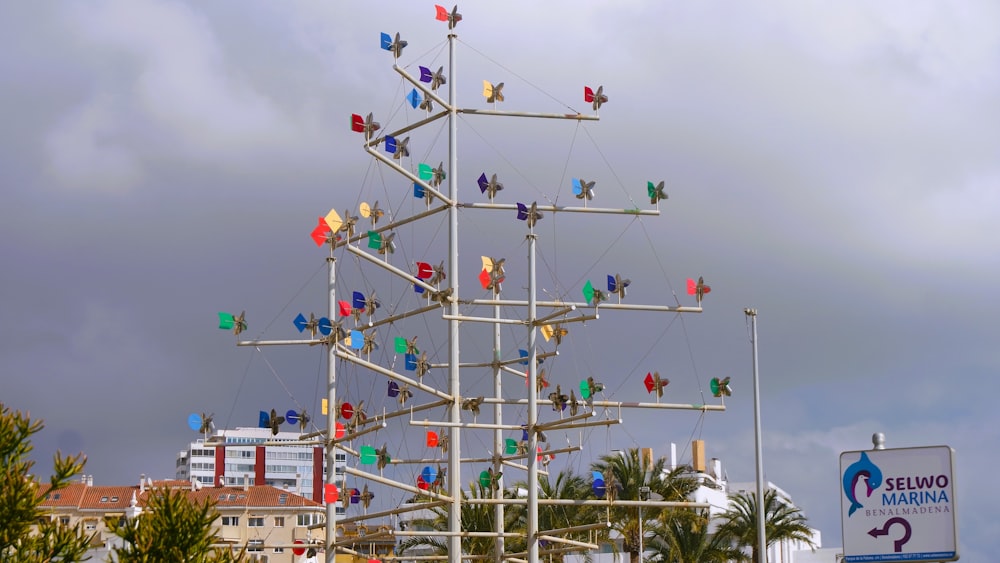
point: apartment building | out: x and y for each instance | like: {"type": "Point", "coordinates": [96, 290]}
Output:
{"type": "Point", "coordinates": [269, 521]}
{"type": "Point", "coordinates": [255, 456]}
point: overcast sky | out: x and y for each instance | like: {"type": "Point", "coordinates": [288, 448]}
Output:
{"type": "Point", "coordinates": [832, 164]}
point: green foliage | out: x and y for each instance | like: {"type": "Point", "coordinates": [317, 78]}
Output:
{"type": "Point", "coordinates": [474, 517]}
{"type": "Point", "coordinates": [21, 498]}
{"type": "Point", "coordinates": [682, 536]}
{"type": "Point", "coordinates": [782, 521]}
{"type": "Point", "coordinates": [624, 474]}
{"type": "Point", "coordinates": [567, 485]}
{"type": "Point", "coordinates": [171, 528]}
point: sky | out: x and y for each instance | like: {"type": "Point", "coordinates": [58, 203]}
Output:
{"type": "Point", "coordinates": [832, 165]}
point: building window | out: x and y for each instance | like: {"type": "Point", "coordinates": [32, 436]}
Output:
{"type": "Point", "coordinates": [279, 550]}
{"type": "Point", "coordinates": [255, 545]}
{"type": "Point", "coordinates": [279, 521]}
{"type": "Point", "coordinates": [64, 520]}
{"type": "Point", "coordinates": [280, 468]}
{"type": "Point", "coordinates": [304, 520]}
{"type": "Point", "coordinates": [90, 525]}
{"type": "Point", "coordinates": [230, 520]}
{"type": "Point", "coordinates": [283, 498]}
{"type": "Point", "coordinates": [255, 521]}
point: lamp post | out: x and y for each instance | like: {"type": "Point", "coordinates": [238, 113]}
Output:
{"type": "Point", "coordinates": [761, 538]}
{"type": "Point", "coordinates": [643, 495]}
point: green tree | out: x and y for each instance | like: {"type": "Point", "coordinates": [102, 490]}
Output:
{"type": "Point", "coordinates": [171, 528]}
{"type": "Point", "coordinates": [567, 485]}
{"type": "Point", "coordinates": [782, 521]}
{"type": "Point", "coordinates": [475, 518]}
{"type": "Point", "coordinates": [682, 536]}
{"type": "Point", "coordinates": [26, 533]}
{"type": "Point", "coordinates": [625, 475]}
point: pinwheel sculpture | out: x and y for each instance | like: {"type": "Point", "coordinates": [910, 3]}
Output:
{"type": "Point", "coordinates": [235, 323]}
{"type": "Point", "coordinates": [372, 212]}
{"type": "Point", "coordinates": [559, 401]}
{"type": "Point", "coordinates": [272, 421]}
{"type": "Point", "coordinates": [556, 332]}
{"type": "Point", "coordinates": [397, 148]}
{"type": "Point", "coordinates": [366, 125]}
{"type": "Point", "coordinates": [472, 405]}
{"type": "Point", "coordinates": [492, 275]}
{"type": "Point", "coordinates": [493, 92]}
{"type": "Point", "coordinates": [589, 388]}
{"type": "Point", "coordinates": [435, 79]}
{"type": "Point", "coordinates": [490, 186]}
{"type": "Point", "coordinates": [393, 45]}
{"type": "Point", "coordinates": [617, 285]}
{"type": "Point", "coordinates": [698, 289]}
{"type": "Point", "coordinates": [452, 17]}
{"type": "Point", "coordinates": [654, 383]}
{"type": "Point", "coordinates": [529, 213]}
{"type": "Point", "coordinates": [720, 387]}
{"type": "Point", "coordinates": [583, 189]}
{"type": "Point", "coordinates": [592, 294]}
{"type": "Point", "coordinates": [201, 423]}
{"type": "Point", "coordinates": [596, 99]}
{"type": "Point", "coordinates": [366, 497]}
{"type": "Point", "coordinates": [655, 192]}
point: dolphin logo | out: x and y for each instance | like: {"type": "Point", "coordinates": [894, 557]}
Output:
{"type": "Point", "coordinates": [861, 468]}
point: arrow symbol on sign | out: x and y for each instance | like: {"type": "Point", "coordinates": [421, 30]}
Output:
{"type": "Point", "coordinates": [884, 530]}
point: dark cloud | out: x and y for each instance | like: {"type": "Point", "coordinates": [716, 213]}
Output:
{"type": "Point", "coordinates": [833, 167]}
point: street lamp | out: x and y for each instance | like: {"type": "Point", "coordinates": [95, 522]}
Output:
{"type": "Point", "coordinates": [643, 495]}
{"type": "Point", "coordinates": [759, 455]}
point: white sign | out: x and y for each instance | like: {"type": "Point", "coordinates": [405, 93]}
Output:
{"type": "Point", "coordinates": [898, 505]}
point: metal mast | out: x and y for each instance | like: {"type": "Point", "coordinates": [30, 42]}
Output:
{"type": "Point", "coordinates": [758, 454]}
{"type": "Point", "coordinates": [331, 416]}
{"type": "Point", "coordinates": [454, 387]}
{"type": "Point", "coordinates": [447, 302]}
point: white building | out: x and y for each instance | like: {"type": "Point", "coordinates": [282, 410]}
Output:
{"type": "Point", "coordinates": [268, 522]}
{"type": "Point", "coordinates": [254, 456]}
{"type": "Point", "coordinates": [715, 490]}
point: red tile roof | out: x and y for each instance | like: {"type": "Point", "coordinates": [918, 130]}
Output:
{"type": "Point", "coordinates": [115, 499]}
{"type": "Point", "coordinates": [67, 496]}
{"type": "Point", "coordinates": [118, 498]}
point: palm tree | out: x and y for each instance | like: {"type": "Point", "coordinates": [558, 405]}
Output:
{"type": "Point", "coordinates": [567, 485]}
{"type": "Point", "coordinates": [782, 521]}
{"type": "Point", "coordinates": [681, 536]}
{"type": "Point", "coordinates": [624, 476]}
{"type": "Point", "coordinates": [475, 518]}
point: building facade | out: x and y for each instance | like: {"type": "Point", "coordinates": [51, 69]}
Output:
{"type": "Point", "coordinates": [269, 522]}
{"type": "Point", "coordinates": [254, 456]}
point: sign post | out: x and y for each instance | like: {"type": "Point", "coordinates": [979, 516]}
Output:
{"type": "Point", "coordinates": [898, 505]}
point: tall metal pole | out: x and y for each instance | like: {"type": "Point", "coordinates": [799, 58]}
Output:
{"type": "Point", "coordinates": [761, 535]}
{"type": "Point", "coordinates": [640, 534]}
{"type": "Point", "coordinates": [532, 460]}
{"type": "Point", "coordinates": [498, 445]}
{"type": "Point", "coordinates": [454, 387]}
{"type": "Point", "coordinates": [331, 416]}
